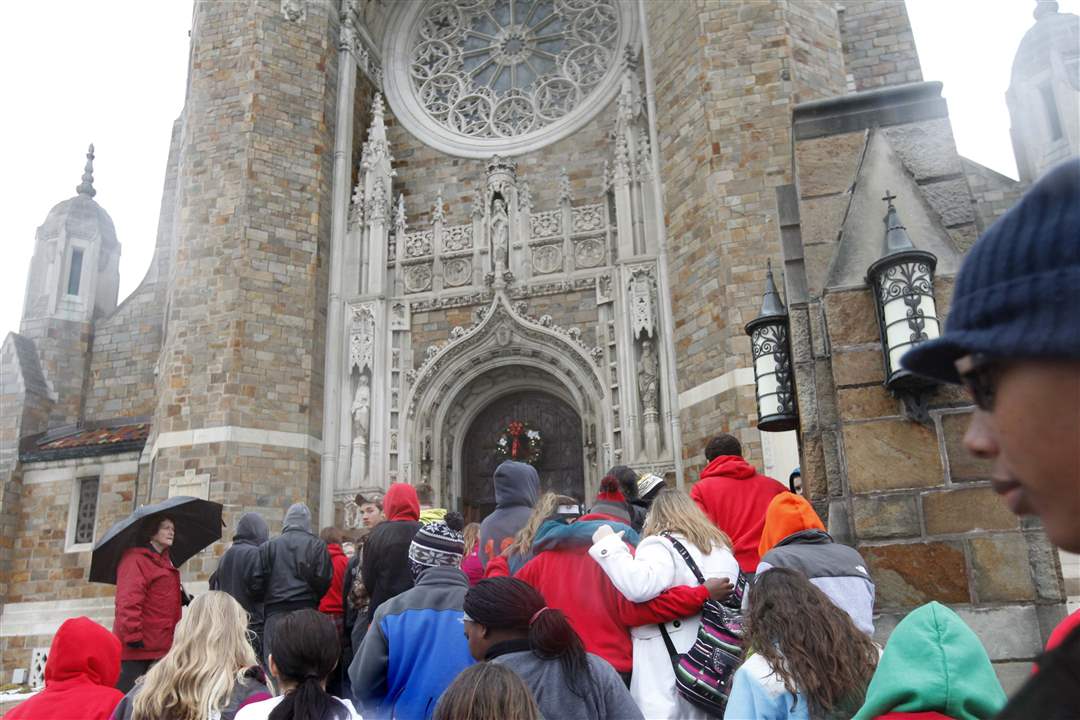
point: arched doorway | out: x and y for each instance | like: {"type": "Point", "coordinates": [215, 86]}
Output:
{"type": "Point", "coordinates": [561, 465]}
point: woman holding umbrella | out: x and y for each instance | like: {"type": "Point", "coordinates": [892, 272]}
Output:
{"type": "Point", "coordinates": [148, 600]}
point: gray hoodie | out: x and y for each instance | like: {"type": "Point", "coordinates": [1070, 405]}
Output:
{"type": "Point", "coordinates": [517, 487]}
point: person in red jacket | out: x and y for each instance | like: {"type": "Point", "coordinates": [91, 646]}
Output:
{"type": "Point", "coordinates": [83, 666]}
{"type": "Point", "coordinates": [148, 600]}
{"type": "Point", "coordinates": [332, 604]}
{"type": "Point", "coordinates": [571, 581]}
{"type": "Point", "coordinates": [735, 496]}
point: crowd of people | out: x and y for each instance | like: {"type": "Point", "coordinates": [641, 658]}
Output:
{"type": "Point", "coordinates": [731, 601]}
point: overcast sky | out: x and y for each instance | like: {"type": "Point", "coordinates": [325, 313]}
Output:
{"type": "Point", "coordinates": [112, 72]}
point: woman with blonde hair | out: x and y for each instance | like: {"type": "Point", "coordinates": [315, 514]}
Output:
{"type": "Point", "coordinates": [674, 522]}
{"type": "Point", "coordinates": [520, 551]}
{"type": "Point", "coordinates": [209, 673]}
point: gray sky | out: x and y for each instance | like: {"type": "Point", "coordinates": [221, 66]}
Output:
{"type": "Point", "coordinates": [112, 72]}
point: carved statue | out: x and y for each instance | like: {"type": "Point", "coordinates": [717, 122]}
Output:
{"type": "Point", "coordinates": [361, 409]}
{"type": "Point", "coordinates": [500, 235]}
{"type": "Point", "coordinates": [648, 378]}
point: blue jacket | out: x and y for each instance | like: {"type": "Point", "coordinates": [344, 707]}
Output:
{"type": "Point", "coordinates": [414, 648]}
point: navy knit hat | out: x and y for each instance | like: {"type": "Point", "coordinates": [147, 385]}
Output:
{"type": "Point", "coordinates": [1017, 294]}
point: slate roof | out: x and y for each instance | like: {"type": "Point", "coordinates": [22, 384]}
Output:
{"type": "Point", "coordinates": [77, 442]}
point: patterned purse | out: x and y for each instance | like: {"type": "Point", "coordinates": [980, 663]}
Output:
{"type": "Point", "coordinates": [703, 675]}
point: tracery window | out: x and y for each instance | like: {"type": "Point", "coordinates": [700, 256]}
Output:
{"type": "Point", "coordinates": [488, 70]}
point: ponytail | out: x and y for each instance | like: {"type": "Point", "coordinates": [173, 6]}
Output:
{"type": "Point", "coordinates": [305, 650]}
{"type": "Point", "coordinates": [505, 603]}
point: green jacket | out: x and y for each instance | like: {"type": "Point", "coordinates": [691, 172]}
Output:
{"type": "Point", "coordinates": [934, 662]}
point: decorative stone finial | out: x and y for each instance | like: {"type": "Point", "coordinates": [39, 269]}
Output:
{"type": "Point", "coordinates": [1045, 7]}
{"type": "Point", "coordinates": [437, 212]}
{"type": "Point", "coordinates": [86, 187]}
{"type": "Point", "coordinates": [566, 192]}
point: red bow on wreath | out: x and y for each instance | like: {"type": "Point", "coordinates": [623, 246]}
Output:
{"type": "Point", "coordinates": [516, 430]}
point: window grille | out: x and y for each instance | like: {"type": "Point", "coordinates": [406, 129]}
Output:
{"type": "Point", "coordinates": [86, 512]}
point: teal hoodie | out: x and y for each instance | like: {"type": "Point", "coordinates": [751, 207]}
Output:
{"type": "Point", "coordinates": [934, 662]}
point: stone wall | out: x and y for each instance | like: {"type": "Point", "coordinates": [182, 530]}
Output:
{"type": "Point", "coordinates": [246, 306]}
{"type": "Point", "coordinates": [906, 493]}
{"type": "Point", "coordinates": [992, 192]}
{"type": "Point", "coordinates": [727, 75]}
{"type": "Point", "coordinates": [62, 348]}
{"type": "Point", "coordinates": [879, 48]}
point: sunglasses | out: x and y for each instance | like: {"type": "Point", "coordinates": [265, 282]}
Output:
{"type": "Point", "coordinates": [980, 374]}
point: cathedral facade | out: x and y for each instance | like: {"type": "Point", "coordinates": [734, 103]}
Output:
{"type": "Point", "coordinates": [398, 241]}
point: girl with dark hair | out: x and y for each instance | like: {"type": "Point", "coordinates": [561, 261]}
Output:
{"type": "Point", "coordinates": [809, 661]}
{"type": "Point", "coordinates": [508, 622]}
{"type": "Point", "coordinates": [487, 692]}
{"type": "Point", "coordinates": [305, 652]}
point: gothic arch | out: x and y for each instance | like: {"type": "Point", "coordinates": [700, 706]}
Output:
{"type": "Point", "coordinates": [447, 391]}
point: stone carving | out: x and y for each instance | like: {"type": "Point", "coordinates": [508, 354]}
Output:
{"type": "Point", "coordinates": [399, 316]}
{"type": "Point", "coordinates": [437, 213]}
{"type": "Point", "coordinates": [643, 162]}
{"type": "Point", "coordinates": [545, 224]}
{"type": "Point", "coordinates": [356, 207]}
{"type": "Point", "coordinates": [648, 377]}
{"type": "Point", "coordinates": [361, 408]}
{"type": "Point", "coordinates": [457, 237]}
{"type": "Point", "coordinates": [642, 301]}
{"type": "Point", "coordinates": [500, 235]}
{"type": "Point", "coordinates": [362, 337]}
{"type": "Point", "coordinates": [589, 253]}
{"type": "Point", "coordinates": [376, 204]}
{"type": "Point", "coordinates": [457, 271]}
{"type": "Point", "coordinates": [353, 518]}
{"type": "Point", "coordinates": [547, 259]}
{"type": "Point", "coordinates": [294, 10]}
{"type": "Point", "coordinates": [525, 201]}
{"type": "Point", "coordinates": [491, 100]}
{"type": "Point", "coordinates": [418, 244]}
{"type": "Point", "coordinates": [546, 321]}
{"type": "Point", "coordinates": [587, 218]}
{"type": "Point", "coordinates": [399, 215]}
{"type": "Point", "coordinates": [477, 201]}
{"type": "Point", "coordinates": [418, 278]}
{"type": "Point", "coordinates": [566, 192]}
{"type": "Point", "coordinates": [456, 332]}
{"type": "Point", "coordinates": [553, 287]}
{"type": "Point", "coordinates": [376, 149]}
{"type": "Point", "coordinates": [604, 288]}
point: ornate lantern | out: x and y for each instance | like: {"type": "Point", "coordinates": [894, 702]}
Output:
{"type": "Point", "coordinates": [902, 281]}
{"type": "Point", "coordinates": [772, 362]}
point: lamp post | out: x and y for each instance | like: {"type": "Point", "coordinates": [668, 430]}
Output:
{"type": "Point", "coordinates": [769, 345]}
{"type": "Point", "coordinates": [902, 282]}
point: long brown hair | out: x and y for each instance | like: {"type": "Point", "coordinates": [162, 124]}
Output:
{"type": "Point", "coordinates": [544, 508]}
{"type": "Point", "coordinates": [673, 511]}
{"type": "Point", "coordinates": [810, 644]}
{"type": "Point", "coordinates": [487, 691]}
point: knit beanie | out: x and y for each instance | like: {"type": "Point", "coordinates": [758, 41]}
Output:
{"type": "Point", "coordinates": [610, 500]}
{"type": "Point", "coordinates": [1018, 289]}
{"type": "Point", "coordinates": [649, 486]}
{"type": "Point", "coordinates": [437, 544]}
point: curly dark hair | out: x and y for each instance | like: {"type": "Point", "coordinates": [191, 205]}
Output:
{"type": "Point", "coordinates": [722, 444]}
{"type": "Point", "coordinates": [812, 645]}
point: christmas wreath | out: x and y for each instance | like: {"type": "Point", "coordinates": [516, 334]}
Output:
{"type": "Point", "coordinates": [519, 441]}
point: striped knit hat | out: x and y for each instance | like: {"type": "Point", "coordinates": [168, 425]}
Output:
{"type": "Point", "coordinates": [1018, 291]}
{"type": "Point", "coordinates": [438, 544]}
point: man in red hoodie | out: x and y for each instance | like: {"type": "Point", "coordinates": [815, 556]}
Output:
{"type": "Point", "coordinates": [83, 666]}
{"type": "Point", "coordinates": [735, 496]}
{"type": "Point", "coordinates": [385, 567]}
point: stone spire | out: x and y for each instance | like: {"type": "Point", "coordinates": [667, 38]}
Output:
{"type": "Point", "coordinates": [1044, 7]}
{"type": "Point", "coordinates": [86, 187]}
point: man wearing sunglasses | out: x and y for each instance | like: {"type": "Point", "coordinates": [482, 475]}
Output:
{"type": "Point", "coordinates": [1013, 338]}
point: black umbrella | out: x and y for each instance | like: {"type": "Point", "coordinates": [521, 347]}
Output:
{"type": "Point", "coordinates": [198, 524]}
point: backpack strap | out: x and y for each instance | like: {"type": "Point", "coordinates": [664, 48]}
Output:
{"type": "Point", "coordinates": [685, 556]}
{"type": "Point", "coordinates": [672, 653]}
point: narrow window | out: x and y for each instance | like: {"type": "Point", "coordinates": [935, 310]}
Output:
{"type": "Point", "coordinates": [75, 272]}
{"type": "Point", "coordinates": [86, 513]}
{"type": "Point", "coordinates": [1052, 116]}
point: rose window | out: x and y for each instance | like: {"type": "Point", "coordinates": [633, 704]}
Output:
{"type": "Point", "coordinates": [486, 71]}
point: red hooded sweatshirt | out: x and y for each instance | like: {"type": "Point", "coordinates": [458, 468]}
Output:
{"type": "Point", "coordinates": [735, 496]}
{"type": "Point", "coordinates": [83, 666]}
{"type": "Point", "coordinates": [331, 602]}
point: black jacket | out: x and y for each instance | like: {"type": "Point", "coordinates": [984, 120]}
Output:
{"type": "Point", "coordinates": [294, 568]}
{"type": "Point", "coordinates": [1053, 693]}
{"type": "Point", "coordinates": [385, 567]}
{"type": "Point", "coordinates": [239, 566]}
